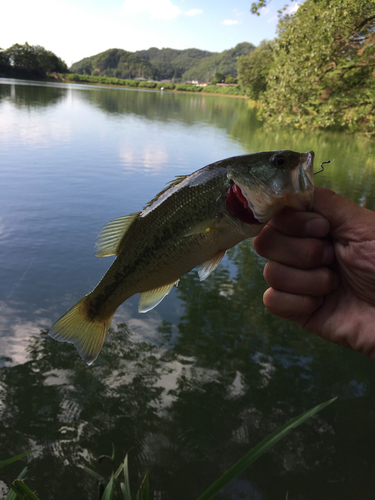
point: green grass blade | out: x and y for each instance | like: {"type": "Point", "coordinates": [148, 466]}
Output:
{"type": "Point", "coordinates": [14, 459]}
{"type": "Point", "coordinates": [144, 490]}
{"type": "Point", "coordinates": [125, 486]}
{"type": "Point", "coordinates": [124, 491]}
{"type": "Point", "coordinates": [258, 450]}
{"type": "Point", "coordinates": [108, 492]}
{"type": "Point", "coordinates": [23, 491]}
{"type": "Point", "coordinates": [118, 472]}
{"type": "Point", "coordinates": [11, 495]}
{"type": "Point", "coordinates": [93, 474]}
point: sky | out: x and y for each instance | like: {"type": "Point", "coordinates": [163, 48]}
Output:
{"type": "Point", "coordinates": [74, 29]}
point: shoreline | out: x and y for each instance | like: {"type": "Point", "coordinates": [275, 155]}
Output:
{"type": "Point", "coordinates": [59, 78]}
{"type": "Point", "coordinates": [119, 86]}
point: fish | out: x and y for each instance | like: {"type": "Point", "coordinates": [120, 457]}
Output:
{"type": "Point", "coordinates": [189, 224]}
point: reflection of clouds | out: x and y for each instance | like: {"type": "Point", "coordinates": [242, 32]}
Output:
{"type": "Point", "coordinates": [33, 132]}
{"type": "Point", "coordinates": [237, 388]}
{"type": "Point", "coordinates": [16, 332]}
{"type": "Point", "coordinates": [171, 372]}
{"type": "Point", "coordinates": [3, 232]}
{"type": "Point", "coordinates": [151, 159]}
{"type": "Point", "coordinates": [57, 377]}
{"type": "Point", "coordinates": [267, 367]}
{"type": "Point", "coordinates": [145, 328]}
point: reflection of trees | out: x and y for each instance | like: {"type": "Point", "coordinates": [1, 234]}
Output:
{"type": "Point", "coordinates": [4, 92]}
{"type": "Point", "coordinates": [32, 96]}
{"type": "Point", "coordinates": [184, 108]}
{"type": "Point", "coordinates": [232, 375]}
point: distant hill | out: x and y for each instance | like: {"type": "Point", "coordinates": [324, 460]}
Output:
{"type": "Point", "coordinates": [116, 63]}
{"type": "Point", "coordinates": [163, 64]}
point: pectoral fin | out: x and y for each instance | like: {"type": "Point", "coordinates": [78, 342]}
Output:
{"type": "Point", "coordinates": [108, 240]}
{"type": "Point", "coordinates": [205, 269]}
{"type": "Point", "coordinates": [152, 298]}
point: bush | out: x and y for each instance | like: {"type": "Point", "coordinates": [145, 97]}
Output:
{"type": "Point", "coordinates": [166, 86]}
{"type": "Point", "coordinates": [215, 89]}
{"type": "Point", "coordinates": [148, 85]}
{"type": "Point", "coordinates": [131, 83]}
{"type": "Point", "coordinates": [184, 87]}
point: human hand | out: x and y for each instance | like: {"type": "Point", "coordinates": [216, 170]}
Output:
{"type": "Point", "coordinates": [321, 270]}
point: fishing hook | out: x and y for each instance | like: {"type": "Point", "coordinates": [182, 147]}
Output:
{"type": "Point", "coordinates": [321, 166]}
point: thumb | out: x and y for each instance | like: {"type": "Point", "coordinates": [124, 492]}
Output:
{"type": "Point", "coordinates": [347, 219]}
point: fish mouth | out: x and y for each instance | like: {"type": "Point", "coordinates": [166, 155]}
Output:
{"type": "Point", "coordinates": [259, 207]}
{"type": "Point", "coordinates": [238, 205]}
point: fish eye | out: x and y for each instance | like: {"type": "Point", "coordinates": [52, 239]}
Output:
{"type": "Point", "coordinates": [279, 161]}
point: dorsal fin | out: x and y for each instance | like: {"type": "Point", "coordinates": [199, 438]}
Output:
{"type": "Point", "coordinates": [205, 269]}
{"type": "Point", "coordinates": [177, 180]}
{"type": "Point", "coordinates": [152, 298]}
{"type": "Point", "coordinates": [110, 236]}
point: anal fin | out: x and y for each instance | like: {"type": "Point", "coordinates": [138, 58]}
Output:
{"type": "Point", "coordinates": [205, 269]}
{"type": "Point", "coordinates": [152, 298]}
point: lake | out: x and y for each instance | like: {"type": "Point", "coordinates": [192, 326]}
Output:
{"type": "Point", "coordinates": [194, 384]}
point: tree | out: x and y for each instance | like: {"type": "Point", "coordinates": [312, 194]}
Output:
{"type": "Point", "coordinates": [323, 67]}
{"type": "Point", "coordinates": [218, 78]}
{"type": "Point", "coordinates": [4, 60]}
{"type": "Point", "coordinates": [33, 60]}
{"type": "Point", "coordinates": [256, 6]}
{"type": "Point", "coordinates": [253, 69]}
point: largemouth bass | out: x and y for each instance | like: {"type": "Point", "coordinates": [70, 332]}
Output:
{"type": "Point", "coordinates": [191, 223]}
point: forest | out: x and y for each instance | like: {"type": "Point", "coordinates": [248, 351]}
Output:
{"type": "Point", "coordinates": [164, 64]}
{"type": "Point", "coordinates": [318, 72]}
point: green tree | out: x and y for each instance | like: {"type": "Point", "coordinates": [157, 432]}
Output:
{"type": "Point", "coordinates": [229, 79]}
{"type": "Point", "coordinates": [218, 78]}
{"type": "Point", "coordinates": [256, 6]}
{"type": "Point", "coordinates": [323, 67]}
{"type": "Point", "coordinates": [253, 69]}
{"type": "Point", "coordinates": [4, 60]}
{"type": "Point", "coordinates": [33, 60]}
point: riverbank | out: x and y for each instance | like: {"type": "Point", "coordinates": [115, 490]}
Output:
{"type": "Point", "coordinates": [230, 91]}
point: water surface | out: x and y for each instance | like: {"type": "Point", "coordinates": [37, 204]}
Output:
{"type": "Point", "coordinates": [192, 385]}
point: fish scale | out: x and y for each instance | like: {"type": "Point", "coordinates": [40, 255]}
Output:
{"type": "Point", "coordinates": [191, 223]}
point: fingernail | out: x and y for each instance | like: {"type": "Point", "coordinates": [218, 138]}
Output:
{"type": "Point", "coordinates": [317, 228]}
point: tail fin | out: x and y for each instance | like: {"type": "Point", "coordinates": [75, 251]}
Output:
{"type": "Point", "coordinates": [86, 334]}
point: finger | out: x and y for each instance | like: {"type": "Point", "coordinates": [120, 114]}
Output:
{"type": "Point", "coordinates": [315, 282]}
{"type": "Point", "coordinates": [348, 220]}
{"type": "Point", "coordinates": [300, 224]}
{"type": "Point", "coordinates": [296, 308]}
{"type": "Point", "coordinates": [302, 253]}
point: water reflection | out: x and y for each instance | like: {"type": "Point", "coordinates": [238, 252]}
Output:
{"type": "Point", "coordinates": [193, 385]}
{"type": "Point", "coordinates": [31, 96]}
{"type": "Point", "coordinates": [190, 405]}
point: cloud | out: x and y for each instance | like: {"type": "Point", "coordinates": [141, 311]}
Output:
{"type": "Point", "coordinates": [292, 9]}
{"type": "Point", "coordinates": [162, 9]}
{"type": "Point", "coordinates": [193, 12]}
{"type": "Point", "coordinates": [230, 22]}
